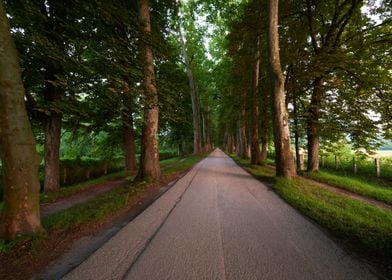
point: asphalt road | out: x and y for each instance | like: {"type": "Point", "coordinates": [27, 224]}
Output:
{"type": "Point", "coordinates": [218, 222]}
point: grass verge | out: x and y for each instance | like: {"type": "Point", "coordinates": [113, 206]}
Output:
{"type": "Point", "coordinates": [71, 190]}
{"type": "Point", "coordinates": [112, 201]}
{"type": "Point", "coordinates": [95, 209]}
{"type": "Point", "coordinates": [360, 223]}
{"type": "Point", "coordinates": [168, 166]}
{"type": "Point", "coordinates": [355, 185]}
{"type": "Point", "coordinates": [102, 206]}
{"type": "Point", "coordinates": [179, 164]}
{"type": "Point", "coordinates": [365, 227]}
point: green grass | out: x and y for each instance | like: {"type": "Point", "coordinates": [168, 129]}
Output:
{"type": "Point", "coordinates": [366, 167]}
{"type": "Point", "coordinates": [167, 162]}
{"type": "Point", "coordinates": [109, 202]}
{"type": "Point", "coordinates": [355, 185]}
{"type": "Point", "coordinates": [358, 222]}
{"type": "Point", "coordinates": [71, 190]}
{"type": "Point", "coordinates": [95, 209]}
{"type": "Point", "coordinates": [265, 172]}
{"type": "Point", "coordinates": [364, 226]}
{"type": "Point", "coordinates": [98, 208]}
{"type": "Point", "coordinates": [179, 164]}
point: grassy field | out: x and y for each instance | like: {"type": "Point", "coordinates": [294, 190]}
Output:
{"type": "Point", "coordinates": [365, 166]}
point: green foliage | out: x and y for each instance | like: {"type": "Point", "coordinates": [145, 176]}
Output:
{"type": "Point", "coordinates": [167, 155]}
{"type": "Point", "coordinates": [5, 247]}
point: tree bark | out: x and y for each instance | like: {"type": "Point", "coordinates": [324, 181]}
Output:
{"type": "Point", "coordinates": [313, 126]}
{"type": "Point", "coordinates": [230, 143]}
{"type": "Point", "coordinates": [52, 130]}
{"type": "Point", "coordinates": [264, 116]}
{"type": "Point", "coordinates": [53, 92]}
{"type": "Point", "coordinates": [263, 150]}
{"type": "Point", "coordinates": [284, 159]}
{"type": "Point", "coordinates": [129, 141]}
{"type": "Point", "coordinates": [21, 213]}
{"type": "Point", "coordinates": [149, 156]}
{"type": "Point", "coordinates": [296, 133]}
{"type": "Point", "coordinates": [194, 98]}
{"type": "Point", "coordinates": [206, 131]}
{"type": "Point", "coordinates": [243, 144]}
{"type": "Point", "coordinates": [254, 120]}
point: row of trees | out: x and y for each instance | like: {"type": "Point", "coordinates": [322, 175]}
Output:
{"type": "Point", "coordinates": [336, 74]}
{"type": "Point", "coordinates": [86, 68]}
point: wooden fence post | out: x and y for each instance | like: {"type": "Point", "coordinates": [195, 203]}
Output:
{"type": "Point", "coordinates": [337, 163]}
{"type": "Point", "coordinates": [377, 164]}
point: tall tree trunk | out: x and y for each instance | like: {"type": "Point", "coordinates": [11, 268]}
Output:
{"type": "Point", "coordinates": [52, 130]}
{"type": "Point", "coordinates": [243, 151]}
{"type": "Point", "coordinates": [284, 159]}
{"type": "Point", "coordinates": [21, 213]}
{"type": "Point", "coordinates": [264, 118]}
{"type": "Point", "coordinates": [127, 124]}
{"type": "Point", "coordinates": [313, 126]}
{"type": "Point", "coordinates": [296, 133]}
{"type": "Point", "coordinates": [238, 145]}
{"type": "Point", "coordinates": [254, 119]}
{"type": "Point", "coordinates": [129, 141]}
{"type": "Point", "coordinates": [53, 92]}
{"type": "Point", "coordinates": [263, 149]}
{"type": "Point", "coordinates": [149, 156]}
{"type": "Point", "coordinates": [230, 143]}
{"type": "Point", "coordinates": [206, 131]}
{"type": "Point", "coordinates": [194, 98]}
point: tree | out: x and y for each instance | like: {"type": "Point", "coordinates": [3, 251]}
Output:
{"type": "Point", "coordinates": [325, 41]}
{"type": "Point", "coordinates": [194, 97]}
{"type": "Point", "coordinates": [128, 132]}
{"type": "Point", "coordinates": [149, 155]}
{"type": "Point", "coordinates": [21, 213]}
{"type": "Point", "coordinates": [255, 96]}
{"type": "Point", "coordinates": [53, 92]}
{"type": "Point", "coordinates": [284, 160]}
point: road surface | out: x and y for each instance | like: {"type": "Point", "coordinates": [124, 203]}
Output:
{"type": "Point", "coordinates": [218, 222]}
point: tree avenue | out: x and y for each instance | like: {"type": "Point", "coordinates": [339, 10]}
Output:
{"type": "Point", "coordinates": [110, 85]}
